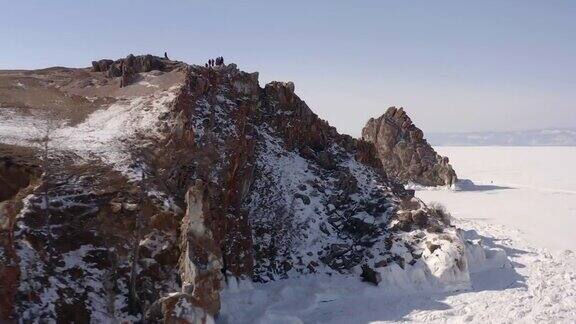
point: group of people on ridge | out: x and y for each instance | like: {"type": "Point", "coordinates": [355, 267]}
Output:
{"type": "Point", "coordinates": [215, 62]}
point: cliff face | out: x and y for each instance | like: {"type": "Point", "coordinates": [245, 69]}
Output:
{"type": "Point", "coordinates": [185, 178]}
{"type": "Point", "coordinates": [405, 155]}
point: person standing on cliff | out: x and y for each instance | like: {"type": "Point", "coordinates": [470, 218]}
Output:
{"type": "Point", "coordinates": [166, 55]}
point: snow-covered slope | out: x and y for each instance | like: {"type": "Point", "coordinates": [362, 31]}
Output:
{"type": "Point", "coordinates": [519, 204]}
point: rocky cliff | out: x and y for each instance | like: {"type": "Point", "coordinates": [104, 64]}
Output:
{"type": "Point", "coordinates": [405, 155]}
{"type": "Point", "coordinates": [175, 179]}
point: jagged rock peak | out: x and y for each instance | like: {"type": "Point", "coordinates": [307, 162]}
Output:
{"type": "Point", "coordinates": [403, 151]}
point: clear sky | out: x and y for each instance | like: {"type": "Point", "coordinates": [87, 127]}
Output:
{"type": "Point", "coordinates": [454, 65]}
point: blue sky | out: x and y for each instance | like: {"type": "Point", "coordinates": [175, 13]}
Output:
{"type": "Point", "coordinates": [454, 65]}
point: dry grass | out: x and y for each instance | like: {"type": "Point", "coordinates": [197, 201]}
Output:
{"type": "Point", "coordinates": [440, 213]}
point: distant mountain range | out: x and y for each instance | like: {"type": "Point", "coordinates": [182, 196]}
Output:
{"type": "Point", "coordinates": [541, 137]}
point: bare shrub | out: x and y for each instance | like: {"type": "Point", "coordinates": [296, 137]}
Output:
{"type": "Point", "coordinates": [439, 212]}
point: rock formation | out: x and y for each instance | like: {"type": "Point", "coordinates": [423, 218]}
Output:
{"type": "Point", "coordinates": [129, 67]}
{"type": "Point", "coordinates": [201, 257]}
{"type": "Point", "coordinates": [405, 155]}
{"type": "Point", "coordinates": [187, 177]}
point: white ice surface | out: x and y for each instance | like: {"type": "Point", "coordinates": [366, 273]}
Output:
{"type": "Point", "coordinates": [532, 189]}
{"type": "Point", "coordinates": [532, 223]}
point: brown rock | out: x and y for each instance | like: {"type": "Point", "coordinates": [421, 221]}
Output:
{"type": "Point", "coordinates": [420, 218]}
{"type": "Point", "coordinates": [370, 275]}
{"type": "Point", "coordinates": [404, 153]}
{"type": "Point", "coordinates": [114, 71]}
{"type": "Point", "coordinates": [201, 258]}
{"type": "Point", "coordinates": [115, 207]}
{"type": "Point", "coordinates": [129, 67]}
{"type": "Point", "coordinates": [404, 221]}
{"type": "Point", "coordinates": [432, 247]}
{"type": "Point", "coordinates": [380, 264]}
{"type": "Point", "coordinates": [102, 65]}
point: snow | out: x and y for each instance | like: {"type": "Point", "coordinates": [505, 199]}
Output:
{"type": "Point", "coordinates": [104, 134]}
{"type": "Point", "coordinates": [15, 128]}
{"type": "Point", "coordinates": [303, 227]}
{"type": "Point", "coordinates": [531, 189]}
{"type": "Point", "coordinates": [288, 171]}
{"type": "Point", "coordinates": [521, 200]}
{"type": "Point", "coordinates": [517, 218]}
{"type": "Point", "coordinates": [157, 242]}
{"type": "Point", "coordinates": [187, 312]}
{"type": "Point", "coordinates": [148, 84]}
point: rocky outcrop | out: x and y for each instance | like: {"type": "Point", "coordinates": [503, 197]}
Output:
{"type": "Point", "coordinates": [201, 258]}
{"type": "Point", "coordinates": [405, 155]}
{"type": "Point", "coordinates": [129, 67]}
{"type": "Point", "coordinates": [228, 181]}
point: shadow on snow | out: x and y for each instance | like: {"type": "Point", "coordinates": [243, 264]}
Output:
{"type": "Point", "coordinates": [468, 185]}
{"type": "Point", "coordinates": [396, 308]}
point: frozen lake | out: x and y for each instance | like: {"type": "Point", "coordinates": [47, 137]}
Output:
{"type": "Point", "coordinates": [532, 189]}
